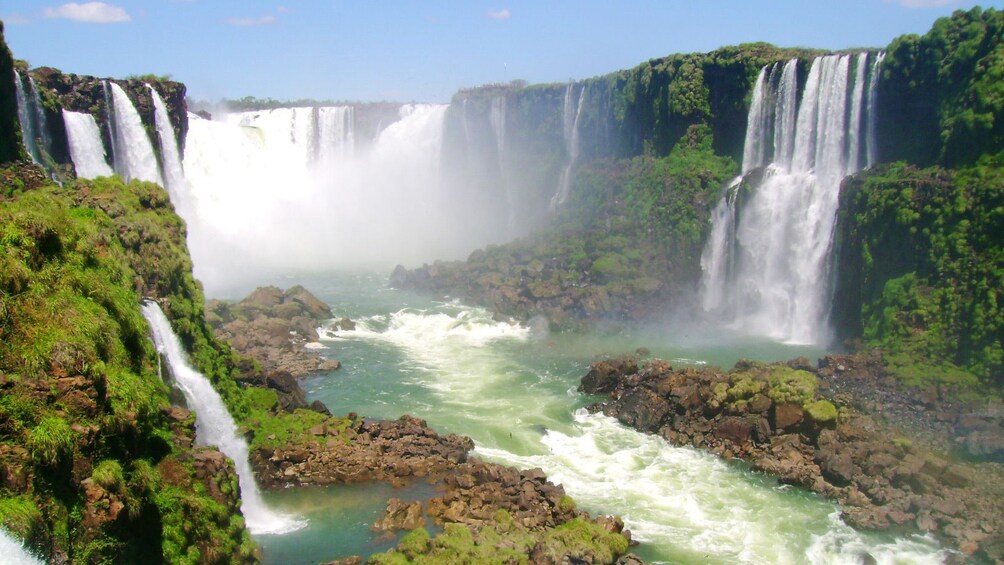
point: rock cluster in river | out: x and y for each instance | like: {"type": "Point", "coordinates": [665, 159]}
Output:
{"type": "Point", "coordinates": [394, 451]}
{"type": "Point", "coordinates": [273, 327]}
{"type": "Point", "coordinates": [777, 417]}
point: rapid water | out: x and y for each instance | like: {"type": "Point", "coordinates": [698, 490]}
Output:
{"type": "Point", "coordinates": [214, 426]}
{"type": "Point", "coordinates": [132, 151]}
{"type": "Point", "coordinates": [13, 551]}
{"type": "Point", "coordinates": [512, 389]}
{"type": "Point", "coordinates": [766, 262]}
{"type": "Point", "coordinates": [86, 149]}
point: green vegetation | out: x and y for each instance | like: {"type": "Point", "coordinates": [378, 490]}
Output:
{"type": "Point", "coordinates": [822, 412]}
{"type": "Point", "coordinates": [946, 91]}
{"type": "Point", "coordinates": [505, 541]}
{"type": "Point", "coordinates": [921, 269]}
{"type": "Point", "coordinates": [81, 398]}
{"type": "Point", "coordinates": [792, 386]}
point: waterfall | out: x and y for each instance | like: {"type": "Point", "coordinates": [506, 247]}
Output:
{"type": "Point", "coordinates": [173, 174]}
{"type": "Point", "coordinates": [765, 263]}
{"type": "Point", "coordinates": [86, 150]}
{"type": "Point", "coordinates": [291, 189]}
{"type": "Point", "coordinates": [571, 111]}
{"type": "Point", "coordinates": [31, 116]}
{"type": "Point", "coordinates": [496, 118]}
{"type": "Point", "coordinates": [132, 151]}
{"type": "Point", "coordinates": [214, 426]}
{"type": "Point", "coordinates": [14, 552]}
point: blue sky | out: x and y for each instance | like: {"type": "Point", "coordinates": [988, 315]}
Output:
{"type": "Point", "coordinates": [423, 51]}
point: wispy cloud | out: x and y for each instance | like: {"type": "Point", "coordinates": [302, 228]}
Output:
{"type": "Point", "coordinates": [923, 3]}
{"type": "Point", "coordinates": [247, 22]}
{"type": "Point", "coordinates": [502, 14]}
{"type": "Point", "coordinates": [15, 19]}
{"type": "Point", "coordinates": [89, 12]}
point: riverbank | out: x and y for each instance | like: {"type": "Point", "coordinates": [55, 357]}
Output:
{"type": "Point", "coordinates": [824, 428]}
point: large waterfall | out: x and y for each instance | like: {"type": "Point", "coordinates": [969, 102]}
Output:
{"type": "Point", "coordinates": [86, 149]}
{"type": "Point", "coordinates": [765, 264]}
{"type": "Point", "coordinates": [292, 188]}
{"type": "Point", "coordinates": [14, 553]}
{"type": "Point", "coordinates": [131, 148]}
{"type": "Point", "coordinates": [214, 426]}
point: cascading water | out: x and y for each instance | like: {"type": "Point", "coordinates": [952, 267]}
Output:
{"type": "Point", "coordinates": [214, 426]}
{"type": "Point", "coordinates": [132, 151]}
{"type": "Point", "coordinates": [765, 264]}
{"type": "Point", "coordinates": [173, 174]}
{"type": "Point", "coordinates": [86, 149]}
{"type": "Point", "coordinates": [571, 111]}
{"type": "Point", "coordinates": [31, 115]}
{"type": "Point", "coordinates": [497, 120]}
{"type": "Point", "coordinates": [291, 189]}
{"type": "Point", "coordinates": [14, 553]}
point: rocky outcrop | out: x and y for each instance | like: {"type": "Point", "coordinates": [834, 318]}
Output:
{"type": "Point", "coordinates": [273, 327]}
{"type": "Point", "coordinates": [804, 427]}
{"type": "Point", "coordinates": [336, 452]}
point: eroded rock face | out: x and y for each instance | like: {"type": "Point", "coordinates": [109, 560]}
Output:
{"type": "Point", "coordinates": [865, 455]}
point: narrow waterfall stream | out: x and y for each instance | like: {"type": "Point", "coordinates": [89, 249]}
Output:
{"type": "Point", "coordinates": [215, 427]}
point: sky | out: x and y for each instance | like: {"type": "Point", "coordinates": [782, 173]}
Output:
{"type": "Point", "coordinates": [423, 51]}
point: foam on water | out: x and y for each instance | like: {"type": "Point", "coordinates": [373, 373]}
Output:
{"type": "Point", "coordinates": [687, 505]}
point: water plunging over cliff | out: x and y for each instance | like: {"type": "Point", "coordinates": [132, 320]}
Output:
{"type": "Point", "coordinates": [14, 553]}
{"type": "Point", "coordinates": [86, 149]}
{"type": "Point", "coordinates": [174, 175]}
{"type": "Point", "coordinates": [570, 118]}
{"type": "Point", "coordinates": [294, 188]}
{"type": "Point", "coordinates": [132, 151]}
{"type": "Point", "coordinates": [765, 264]}
{"type": "Point", "coordinates": [31, 116]}
{"type": "Point", "coordinates": [214, 426]}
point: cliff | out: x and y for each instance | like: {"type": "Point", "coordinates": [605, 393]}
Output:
{"type": "Point", "coordinates": [94, 463]}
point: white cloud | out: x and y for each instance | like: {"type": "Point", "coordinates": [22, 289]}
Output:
{"type": "Point", "coordinates": [502, 14]}
{"type": "Point", "coordinates": [260, 21]}
{"type": "Point", "coordinates": [923, 3]}
{"type": "Point", "coordinates": [282, 9]}
{"type": "Point", "coordinates": [89, 12]}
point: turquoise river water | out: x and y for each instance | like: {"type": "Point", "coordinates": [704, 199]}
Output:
{"type": "Point", "coordinates": [512, 389]}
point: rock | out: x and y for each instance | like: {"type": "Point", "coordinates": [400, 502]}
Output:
{"type": "Point", "coordinates": [400, 516]}
{"type": "Point", "coordinates": [604, 376]}
{"type": "Point", "coordinates": [787, 415]}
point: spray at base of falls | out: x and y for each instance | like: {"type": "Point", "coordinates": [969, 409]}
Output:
{"type": "Point", "coordinates": [214, 426]}
{"type": "Point", "coordinates": [766, 264]}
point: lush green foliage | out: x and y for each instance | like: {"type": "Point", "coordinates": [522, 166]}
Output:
{"type": "Point", "coordinates": [942, 94]}
{"type": "Point", "coordinates": [787, 385]}
{"type": "Point", "coordinates": [505, 541]}
{"type": "Point", "coordinates": [922, 269]}
{"type": "Point", "coordinates": [79, 385]}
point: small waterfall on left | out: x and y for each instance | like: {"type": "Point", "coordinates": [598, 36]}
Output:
{"type": "Point", "coordinates": [31, 115]}
{"type": "Point", "coordinates": [86, 149]}
{"type": "Point", "coordinates": [214, 426]}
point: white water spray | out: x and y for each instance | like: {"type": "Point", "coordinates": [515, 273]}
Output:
{"type": "Point", "coordinates": [13, 552]}
{"type": "Point", "coordinates": [132, 151]}
{"type": "Point", "coordinates": [765, 264]}
{"type": "Point", "coordinates": [291, 189]}
{"type": "Point", "coordinates": [214, 426]}
{"type": "Point", "coordinates": [86, 149]}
